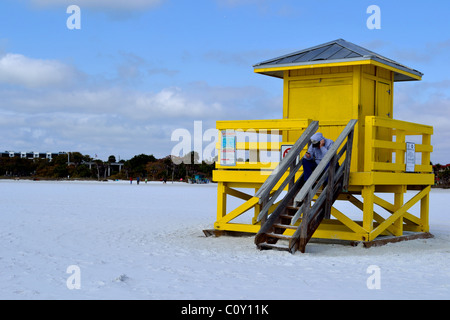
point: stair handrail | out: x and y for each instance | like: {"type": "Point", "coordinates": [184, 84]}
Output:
{"type": "Point", "coordinates": [308, 186]}
{"type": "Point", "coordinates": [265, 195]}
{"type": "Point", "coordinates": [339, 181]}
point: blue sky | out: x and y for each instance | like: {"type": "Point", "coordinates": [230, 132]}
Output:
{"type": "Point", "coordinates": [139, 69]}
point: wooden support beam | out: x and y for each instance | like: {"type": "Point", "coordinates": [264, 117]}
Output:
{"type": "Point", "coordinates": [398, 224]}
{"type": "Point", "coordinates": [239, 210]}
{"type": "Point", "coordinates": [425, 210]}
{"type": "Point", "coordinates": [399, 213]}
{"type": "Point", "coordinates": [368, 195]}
{"type": "Point", "coordinates": [237, 194]}
{"type": "Point", "coordinates": [221, 200]}
{"type": "Point", "coordinates": [386, 240]}
{"type": "Point", "coordinates": [348, 222]}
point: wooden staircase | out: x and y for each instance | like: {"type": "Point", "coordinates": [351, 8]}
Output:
{"type": "Point", "coordinates": [297, 216]}
{"type": "Point", "coordinates": [276, 232]}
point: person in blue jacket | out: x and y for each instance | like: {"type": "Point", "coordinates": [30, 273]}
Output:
{"type": "Point", "coordinates": [317, 149]}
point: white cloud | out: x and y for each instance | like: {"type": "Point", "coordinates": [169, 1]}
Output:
{"type": "Point", "coordinates": [432, 102]}
{"type": "Point", "coordinates": [108, 120]}
{"type": "Point", "coordinates": [119, 120]}
{"type": "Point", "coordinates": [101, 4]}
{"type": "Point", "coordinates": [39, 113]}
{"type": "Point", "coordinates": [17, 69]}
{"type": "Point", "coordinates": [170, 103]}
{"type": "Point", "coordinates": [133, 69]}
{"type": "Point", "coordinates": [174, 103]}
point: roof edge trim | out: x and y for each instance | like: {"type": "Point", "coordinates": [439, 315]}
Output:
{"type": "Point", "coordinates": [413, 74]}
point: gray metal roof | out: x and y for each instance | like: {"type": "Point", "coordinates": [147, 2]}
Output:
{"type": "Point", "coordinates": [333, 52]}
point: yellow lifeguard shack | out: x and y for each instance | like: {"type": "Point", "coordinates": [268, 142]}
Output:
{"type": "Point", "coordinates": [345, 92]}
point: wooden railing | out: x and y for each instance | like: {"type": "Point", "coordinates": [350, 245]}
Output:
{"type": "Point", "coordinates": [289, 163]}
{"type": "Point", "coordinates": [379, 144]}
{"type": "Point", "coordinates": [260, 131]}
{"type": "Point", "coordinates": [331, 182]}
{"type": "Point", "coordinates": [325, 177]}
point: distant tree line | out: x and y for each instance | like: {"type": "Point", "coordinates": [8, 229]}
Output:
{"type": "Point", "coordinates": [442, 175]}
{"type": "Point", "coordinates": [78, 166]}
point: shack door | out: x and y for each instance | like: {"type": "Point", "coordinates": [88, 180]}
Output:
{"type": "Point", "coordinates": [384, 109]}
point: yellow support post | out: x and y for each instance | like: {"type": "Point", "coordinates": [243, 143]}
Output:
{"type": "Point", "coordinates": [368, 193]}
{"type": "Point", "coordinates": [400, 153]}
{"type": "Point", "coordinates": [369, 153]}
{"type": "Point", "coordinates": [426, 156]}
{"type": "Point", "coordinates": [221, 201]}
{"type": "Point", "coordinates": [424, 211]}
{"type": "Point", "coordinates": [398, 224]}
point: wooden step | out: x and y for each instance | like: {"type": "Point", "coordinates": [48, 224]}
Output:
{"type": "Point", "coordinates": [278, 236]}
{"type": "Point", "coordinates": [267, 246]}
{"type": "Point", "coordinates": [284, 226]}
{"type": "Point", "coordinates": [291, 209]}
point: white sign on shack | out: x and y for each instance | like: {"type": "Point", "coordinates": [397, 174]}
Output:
{"type": "Point", "coordinates": [228, 148]}
{"type": "Point", "coordinates": [410, 157]}
{"type": "Point", "coordinates": [285, 149]}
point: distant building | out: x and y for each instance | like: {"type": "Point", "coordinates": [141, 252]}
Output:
{"type": "Point", "coordinates": [30, 155]}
